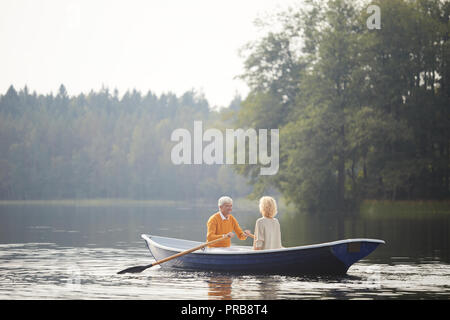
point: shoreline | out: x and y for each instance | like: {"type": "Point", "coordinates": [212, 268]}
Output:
{"type": "Point", "coordinates": [368, 208]}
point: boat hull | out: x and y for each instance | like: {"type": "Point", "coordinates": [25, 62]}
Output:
{"type": "Point", "coordinates": [332, 258]}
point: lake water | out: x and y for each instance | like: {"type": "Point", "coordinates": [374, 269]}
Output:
{"type": "Point", "coordinates": [75, 251]}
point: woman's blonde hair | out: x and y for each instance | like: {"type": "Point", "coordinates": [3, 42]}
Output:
{"type": "Point", "coordinates": [268, 207]}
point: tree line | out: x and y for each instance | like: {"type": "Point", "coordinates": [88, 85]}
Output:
{"type": "Point", "coordinates": [98, 145]}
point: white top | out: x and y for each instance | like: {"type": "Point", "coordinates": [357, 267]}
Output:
{"type": "Point", "coordinates": [267, 233]}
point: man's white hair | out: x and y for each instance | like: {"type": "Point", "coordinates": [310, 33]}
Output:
{"type": "Point", "coordinates": [224, 200]}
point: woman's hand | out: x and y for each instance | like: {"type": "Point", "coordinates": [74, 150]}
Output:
{"type": "Point", "coordinates": [247, 233]}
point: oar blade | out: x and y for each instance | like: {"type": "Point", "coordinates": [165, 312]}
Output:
{"type": "Point", "coordinates": [136, 269]}
{"type": "Point", "coordinates": [142, 268]}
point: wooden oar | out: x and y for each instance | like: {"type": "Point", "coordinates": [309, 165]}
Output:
{"type": "Point", "coordinates": [138, 269]}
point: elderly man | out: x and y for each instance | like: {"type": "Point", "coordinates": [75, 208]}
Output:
{"type": "Point", "coordinates": [222, 224]}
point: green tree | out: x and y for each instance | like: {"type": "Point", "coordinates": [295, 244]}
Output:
{"type": "Point", "coordinates": [365, 116]}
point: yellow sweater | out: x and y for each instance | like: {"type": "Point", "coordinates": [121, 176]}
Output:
{"type": "Point", "coordinates": [218, 227]}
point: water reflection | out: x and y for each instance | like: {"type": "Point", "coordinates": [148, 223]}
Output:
{"type": "Point", "coordinates": [48, 271]}
{"type": "Point", "coordinates": [219, 287]}
{"type": "Point", "coordinates": [231, 286]}
{"type": "Point", "coordinates": [269, 287]}
{"type": "Point", "coordinates": [75, 252]}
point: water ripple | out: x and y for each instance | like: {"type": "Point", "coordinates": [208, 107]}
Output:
{"type": "Point", "coordinates": [48, 271]}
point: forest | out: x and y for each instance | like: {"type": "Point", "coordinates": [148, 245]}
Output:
{"type": "Point", "coordinates": [101, 146]}
{"type": "Point", "coordinates": [362, 113]}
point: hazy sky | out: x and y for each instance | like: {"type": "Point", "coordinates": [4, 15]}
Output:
{"type": "Point", "coordinates": [167, 45]}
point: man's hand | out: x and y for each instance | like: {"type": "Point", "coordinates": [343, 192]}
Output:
{"type": "Point", "coordinates": [229, 235]}
{"type": "Point", "coordinates": [247, 233]}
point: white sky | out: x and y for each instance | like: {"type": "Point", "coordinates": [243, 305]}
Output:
{"type": "Point", "coordinates": [166, 45]}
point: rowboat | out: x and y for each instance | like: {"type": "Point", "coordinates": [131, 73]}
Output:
{"type": "Point", "coordinates": [333, 258]}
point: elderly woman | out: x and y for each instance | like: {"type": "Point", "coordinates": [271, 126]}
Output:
{"type": "Point", "coordinates": [267, 228]}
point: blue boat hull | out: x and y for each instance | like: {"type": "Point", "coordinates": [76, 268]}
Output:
{"type": "Point", "coordinates": [333, 258]}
